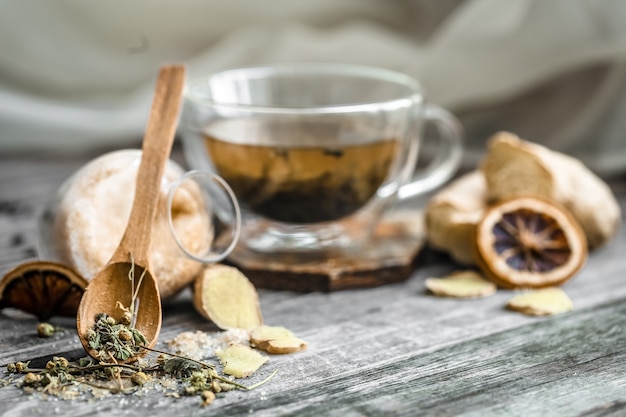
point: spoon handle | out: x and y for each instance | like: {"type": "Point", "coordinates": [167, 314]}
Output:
{"type": "Point", "coordinates": [156, 148]}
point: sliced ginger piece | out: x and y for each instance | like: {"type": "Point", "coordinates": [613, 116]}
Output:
{"type": "Point", "coordinates": [276, 340]}
{"type": "Point", "coordinates": [225, 296]}
{"type": "Point", "coordinates": [241, 361]}
{"type": "Point", "coordinates": [461, 284]}
{"type": "Point", "coordinates": [544, 302]}
{"type": "Point", "coordinates": [263, 334]}
{"type": "Point", "coordinates": [284, 346]}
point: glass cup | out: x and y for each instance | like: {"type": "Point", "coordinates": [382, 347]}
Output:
{"type": "Point", "coordinates": [315, 153]}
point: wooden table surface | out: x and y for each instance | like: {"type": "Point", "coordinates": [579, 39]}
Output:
{"type": "Point", "coordinates": [392, 350]}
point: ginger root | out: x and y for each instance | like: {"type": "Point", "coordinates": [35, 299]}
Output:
{"type": "Point", "coordinates": [514, 168]}
{"type": "Point", "coordinates": [452, 215]}
{"type": "Point", "coordinates": [225, 296]}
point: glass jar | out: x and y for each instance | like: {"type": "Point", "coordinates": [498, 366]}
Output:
{"type": "Point", "coordinates": [197, 219]}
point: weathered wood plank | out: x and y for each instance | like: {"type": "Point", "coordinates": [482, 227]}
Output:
{"type": "Point", "coordinates": [564, 366]}
{"type": "Point", "coordinates": [554, 368]}
{"type": "Point", "coordinates": [386, 350]}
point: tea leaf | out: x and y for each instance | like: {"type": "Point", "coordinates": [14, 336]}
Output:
{"type": "Point", "coordinates": [181, 367]}
{"type": "Point", "coordinates": [94, 342]}
{"type": "Point", "coordinates": [139, 338]}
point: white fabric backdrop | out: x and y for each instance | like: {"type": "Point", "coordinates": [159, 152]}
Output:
{"type": "Point", "coordinates": [75, 74]}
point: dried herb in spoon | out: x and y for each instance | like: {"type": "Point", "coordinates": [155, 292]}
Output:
{"type": "Point", "coordinates": [113, 340]}
{"type": "Point", "coordinates": [118, 341]}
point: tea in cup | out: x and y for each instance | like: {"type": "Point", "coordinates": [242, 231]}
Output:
{"type": "Point", "coordinates": [322, 182]}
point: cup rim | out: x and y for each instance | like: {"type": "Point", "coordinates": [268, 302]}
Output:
{"type": "Point", "coordinates": [415, 91]}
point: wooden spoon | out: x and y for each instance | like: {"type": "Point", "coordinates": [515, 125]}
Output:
{"type": "Point", "coordinates": [112, 285]}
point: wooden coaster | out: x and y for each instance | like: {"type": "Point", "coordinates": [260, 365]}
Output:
{"type": "Point", "coordinates": [386, 258]}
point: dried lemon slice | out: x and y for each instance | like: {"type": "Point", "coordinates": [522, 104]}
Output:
{"type": "Point", "coordinates": [42, 288]}
{"type": "Point", "coordinates": [528, 242]}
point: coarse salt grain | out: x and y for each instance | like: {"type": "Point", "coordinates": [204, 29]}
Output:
{"type": "Point", "coordinates": [200, 345]}
{"type": "Point", "coordinates": [232, 337]}
{"type": "Point", "coordinates": [194, 345]}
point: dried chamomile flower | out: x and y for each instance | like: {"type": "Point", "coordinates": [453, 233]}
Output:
{"type": "Point", "coordinates": [461, 284]}
{"type": "Point", "coordinates": [543, 302]}
{"type": "Point", "coordinates": [45, 330]}
{"type": "Point", "coordinates": [207, 397]}
{"type": "Point", "coordinates": [31, 379]}
{"type": "Point", "coordinates": [139, 378]}
{"type": "Point", "coordinates": [21, 367]}
{"type": "Point", "coordinates": [57, 362]}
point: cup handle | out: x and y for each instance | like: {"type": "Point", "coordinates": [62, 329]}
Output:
{"type": "Point", "coordinates": [447, 158]}
{"type": "Point", "coordinates": [219, 195]}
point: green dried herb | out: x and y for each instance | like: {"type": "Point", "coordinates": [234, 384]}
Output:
{"type": "Point", "coordinates": [117, 342]}
{"type": "Point", "coordinates": [112, 340]}
{"type": "Point", "coordinates": [208, 371]}
{"type": "Point", "coordinates": [180, 367]}
{"type": "Point", "coordinates": [121, 341]}
{"type": "Point", "coordinates": [66, 379]}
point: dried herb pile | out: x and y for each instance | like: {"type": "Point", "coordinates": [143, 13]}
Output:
{"type": "Point", "coordinates": [113, 340]}
{"type": "Point", "coordinates": [173, 374]}
{"type": "Point", "coordinates": [124, 364]}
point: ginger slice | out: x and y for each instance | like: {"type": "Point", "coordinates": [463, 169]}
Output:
{"type": "Point", "coordinates": [285, 346]}
{"type": "Point", "coordinates": [544, 302]}
{"type": "Point", "coordinates": [461, 284]}
{"type": "Point", "coordinates": [514, 167]}
{"type": "Point", "coordinates": [276, 340]}
{"type": "Point", "coordinates": [241, 361]}
{"type": "Point", "coordinates": [452, 214]}
{"type": "Point", "coordinates": [225, 296]}
{"type": "Point", "coordinates": [263, 334]}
